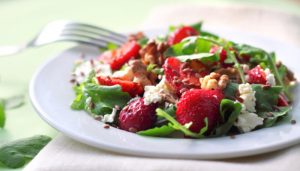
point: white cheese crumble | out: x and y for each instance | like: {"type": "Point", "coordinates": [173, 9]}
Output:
{"type": "Point", "coordinates": [125, 74]}
{"type": "Point", "coordinates": [109, 118]}
{"type": "Point", "coordinates": [247, 120]}
{"type": "Point", "coordinates": [248, 95]}
{"type": "Point", "coordinates": [154, 94]}
{"type": "Point", "coordinates": [270, 77]}
{"type": "Point", "coordinates": [84, 68]}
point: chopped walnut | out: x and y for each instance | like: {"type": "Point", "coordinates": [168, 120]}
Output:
{"type": "Point", "coordinates": [140, 73]}
{"type": "Point", "coordinates": [152, 53]}
{"type": "Point", "coordinates": [214, 81]}
{"type": "Point", "coordinates": [232, 73]}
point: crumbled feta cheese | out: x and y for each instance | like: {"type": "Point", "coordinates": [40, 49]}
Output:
{"type": "Point", "coordinates": [247, 121]}
{"type": "Point", "coordinates": [248, 96]}
{"type": "Point", "coordinates": [109, 118]}
{"type": "Point", "coordinates": [270, 77]}
{"type": "Point", "coordinates": [84, 68]}
{"type": "Point", "coordinates": [154, 94]}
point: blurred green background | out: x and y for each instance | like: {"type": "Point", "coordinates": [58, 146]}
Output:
{"type": "Point", "coordinates": [22, 19]}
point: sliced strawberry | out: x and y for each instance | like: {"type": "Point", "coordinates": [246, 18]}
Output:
{"type": "Point", "coordinates": [117, 58]}
{"type": "Point", "coordinates": [282, 101]}
{"type": "Point", "coordinates": [257, 76]}
{"type": "Point", "coordinates": [181, 33]}
{"type": "Point", "coordinates": [180, 76]}
{"type": "Point", "coordinates": [196, 105]}
{"type": "Point", "coordinates": [223, 56]}
{"type": "Point", "coordinates": [127, 86]}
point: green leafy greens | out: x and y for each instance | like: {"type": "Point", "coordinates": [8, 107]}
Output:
{"type": "Point", "coordinates": [16, 154]}
{"type": "Point", "coordinates": [184, 129]}
{"type": "Point", "coordinates": [2, 113]}
{"type": "Point", "coordinates": [229, 111]}
{"type": "Point", "coordinates": [98, 99]}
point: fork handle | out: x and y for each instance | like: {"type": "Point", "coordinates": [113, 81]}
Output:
{"type": "Point", "coordinates": [10, 50]}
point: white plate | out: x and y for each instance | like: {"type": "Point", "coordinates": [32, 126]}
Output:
{"type": "Point", "coordinates": [51, 95]}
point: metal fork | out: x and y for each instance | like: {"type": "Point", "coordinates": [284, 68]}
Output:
{"type": "Point", "coordinates": [69, 31]}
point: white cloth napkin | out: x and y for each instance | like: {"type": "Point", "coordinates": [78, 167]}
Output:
{"type": "Point", "coordinates": [65, 154]}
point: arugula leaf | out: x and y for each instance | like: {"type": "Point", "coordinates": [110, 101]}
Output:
{"type": "Point", "coordinates": [197, 26]}
{"type": "Point", "coordinates": [204, 57]}
{"type": "Point", "coordinates": [270, 118]}
{"type": "Point", "coordinates": [17, 153]}
{"type": "Point", "coordinates": [184, 129]}
{"type": "Point", "coordinates": [266, 99]}
{"type": "Point", "coordinates": [231, 90]}
{"type": "Point", "coordinates": [2, 113]}
{"type": "Point", "coordinates": [162, 131]}
{"type": "Point", "coordinates": [229, 111]}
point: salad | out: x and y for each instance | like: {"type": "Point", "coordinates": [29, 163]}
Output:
{"type": "Point", "coordinates": [187, 83]}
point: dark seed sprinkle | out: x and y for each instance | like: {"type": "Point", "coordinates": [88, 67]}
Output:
{"type": "Point", "coordinates": [232, 136]}
{"type": "Point", "coordinates": [106, 126]}
{"type": "Point", "coordinates": [82, 74]}
{"type": "Point", "coordinates": [92, 63]}
{"type": "Point", "coordinates": [73, 81]}
{"type": "Point", "coordinates": [293, 122]}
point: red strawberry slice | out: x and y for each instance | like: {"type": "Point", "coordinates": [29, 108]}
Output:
{"type": "Point", "coordinates": [196, 105]}
{"type": "Point", "coordinates": [117, 58]}
{"type": "Point", "coordinates": [181, 33]}
{"type": "Point", "coordinates": [127, 86]}
{"type": "Point", "coordinates": [282, 101]}
{"type": "Point", "coordinates": [223, 56]}
{"type": "Point", "coordinates": [257, 76]}
{"type": "Point", "coordinates": [180, 76]}
{"type": "Point", "coordinates": [137, 116]}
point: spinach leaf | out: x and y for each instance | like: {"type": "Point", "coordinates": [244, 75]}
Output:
{"type": "Point", "coordinates": [270, 118]}
{"type": "Point", "coordinates": [229, 111]}
{"type": "Point", "coordinates": [162, 131]}
{"type": "Point", "coordinates": [191, 45]}
{"type": "Point", "coordinates": [98, 99]}
{"type": "Point", "coordinates": [266, 99]}
{"type": "Point", "coordinates": [17, 153]}
{"type": "Point", "coordinates": [231, 90]}
{"type": "Point", "coordinates": [184, 129]}
{"type": "Point", "coordinates": [204, 57]}
{"type": "Point", "coordinates": [2, 113]}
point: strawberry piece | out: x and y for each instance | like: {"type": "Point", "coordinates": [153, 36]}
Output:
{"type": "Point", "coordinates": [127, 86]}
{"type": "Point", "coordinates": [197, 104]}
{"type": "Point", "coordinates": [181, 33]}
{"type": "Point", "coordinates": [137, 116]}
{"type": "Point", "coordinates": [282, 101]}
{"type": "Point", "coordinates": [223, 56]}
{"type": "Point", "coordinates": [257, 76]}
{"type": "Point", "coordinates": [117, 58]}
{"type": "Point", "coordinates": [180, 76]}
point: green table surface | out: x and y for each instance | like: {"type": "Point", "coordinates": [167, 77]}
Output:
{"type": "Point", "coordinates": [22, 19]}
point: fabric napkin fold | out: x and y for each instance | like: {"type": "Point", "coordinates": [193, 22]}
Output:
{"type": "Point", "coordinates": [66, 154]}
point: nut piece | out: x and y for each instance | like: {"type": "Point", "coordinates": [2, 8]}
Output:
{"type": "Point", "coordinates": [152, 53]}
{"type": "Point", "coordinates": [214, 81]}
{"type": "Point", "coordinates": [140, 74]}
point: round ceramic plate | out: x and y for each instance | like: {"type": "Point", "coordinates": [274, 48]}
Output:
{"type": "Point", "coordinates": [51, 95]}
